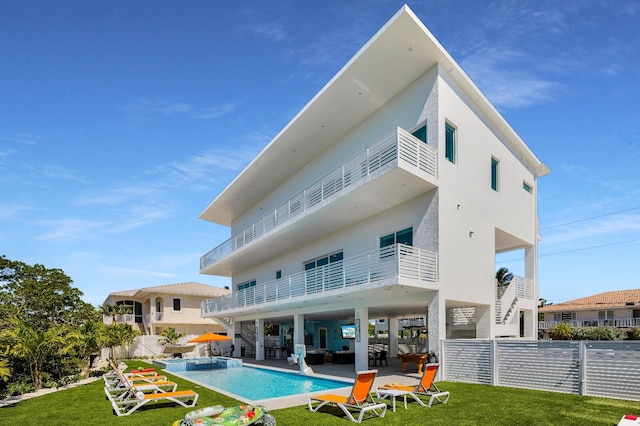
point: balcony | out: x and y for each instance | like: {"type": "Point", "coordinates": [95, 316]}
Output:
{"type": "Point", "coordinates": [396, 168]}
{"type": "Point", "coordinates": [619, 323]}
{"type": "Point", "coordinates": [379, 268]}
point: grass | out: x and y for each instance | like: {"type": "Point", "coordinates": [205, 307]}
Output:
{"type": "Point", "coordinates": [469, 405]}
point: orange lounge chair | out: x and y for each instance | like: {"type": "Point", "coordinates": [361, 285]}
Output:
{"type": "Point", "coordinates": [121, 385]}
{"type": "Point", "coordinates": [359, 400]}
{"type": "Point", "coordinates": [426, 387]}
{"type": "Point", "coordinates": [132, 400]}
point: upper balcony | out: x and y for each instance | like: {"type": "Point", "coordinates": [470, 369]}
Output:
{"type": "Point", "coordinates": [376, 272]}
{"type": "Point", "coordinates": [394, 169]}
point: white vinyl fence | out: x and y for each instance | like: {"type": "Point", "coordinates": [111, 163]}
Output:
{"type": "Point", "coordinates": [597, 368]}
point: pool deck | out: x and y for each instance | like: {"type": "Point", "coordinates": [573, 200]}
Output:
{"type": "Point", "coordinates": [391, 374]}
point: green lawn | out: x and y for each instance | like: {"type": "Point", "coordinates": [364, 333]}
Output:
{"type": "Point", "coordinates": [468, 405]}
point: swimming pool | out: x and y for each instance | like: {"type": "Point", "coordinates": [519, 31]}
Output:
{"type": "Point", "coordinates": [259, 383]}
{"type": "Point", "coordinates": [208, 363]}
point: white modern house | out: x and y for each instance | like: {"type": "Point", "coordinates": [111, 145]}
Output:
{"type": "Point", "coordinates": [389, 196]}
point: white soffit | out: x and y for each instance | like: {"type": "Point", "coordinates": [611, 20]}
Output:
{"type": "Point", "coordinates": [401, 51]}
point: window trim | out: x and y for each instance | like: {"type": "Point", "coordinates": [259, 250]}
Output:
{"type": "Point", "coordinates": [495, 174]}
{"type": "Point", "coordinates": [451, 150]}
{"type": "Point", "coordinates": [173, 304]}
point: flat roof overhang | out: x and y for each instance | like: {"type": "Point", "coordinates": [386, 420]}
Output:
{"type": "Point", "coordinates": [401, 51]}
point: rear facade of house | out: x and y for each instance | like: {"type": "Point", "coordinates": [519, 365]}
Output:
{"type": "Point", "coordinates": [387, 197]}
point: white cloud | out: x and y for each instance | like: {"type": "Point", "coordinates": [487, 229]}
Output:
{"type": "Point", "coordinates": [215, 112]}
{"type": "Point", "coordinates": [66, 230]}
{"type": "Point", "coordinates": [506, 86]}
{"type": "Point", "coordinates": [157, 107]}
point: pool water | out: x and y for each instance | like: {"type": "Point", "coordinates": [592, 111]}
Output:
{"type": "Point", "coordinates": [259, 383]}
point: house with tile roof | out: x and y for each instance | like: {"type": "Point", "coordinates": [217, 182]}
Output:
{"type": "Point", "coordinates": [619, 309]}
{"type": "Point", "coordinates": [173, 305]}
{"type": "Point", "coordinates": [388, 196]}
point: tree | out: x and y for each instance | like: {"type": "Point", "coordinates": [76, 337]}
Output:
{"type": "Point", "coordinates": [21, 340]}
{"type": "Point", "coordinates": [170, 336]}
{"type": "Point", "coordinates": [5, 370]}
{"type": "Point", "coordinates": [503, 278]}
{"type": "Point", "coordinates": [114, 335]}
{"type": "Point", "coordinates": [41, 314]}
{"type": "Point", "coordinates": [115, 311]}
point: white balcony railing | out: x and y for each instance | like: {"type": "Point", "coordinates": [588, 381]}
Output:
{"type": "Point", "coordinates": [619, 322]}
{"type": "Point", "coordinates": [519, 288]}
{"type": "Point", "coordinates": [397, 145]}
{"type": "Point", "coordinates": [155, 317]}
{"type": "Point", "coordinates": [349, 274]}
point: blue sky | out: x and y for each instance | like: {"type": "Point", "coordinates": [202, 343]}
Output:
{"type": "Point", "coordinates": [120, 121]}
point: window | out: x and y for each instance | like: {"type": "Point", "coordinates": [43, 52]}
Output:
{"type": "Point", "coordinates": [421, 133]}
{"type": "Point", "coordinates": [527, 187]}
{"type": "Point", "coordinates": [606, 318]}
{"type": "Point", "coordinates": [278, 275]}
{"type": "Point", "coordinates": [177, 304]}
{"type": "Point", "coordinates": [401, 237]}
{"type": "Point", "coordinates": [450, 142]}
{"type": "Point", "coordinates": [494, 173]}
{"type": "Point", "coordinates": [324, 273]}
{"type": "Point", "coordinates": [565, 316]}
{"type": "Point", "coordinates": [248, 284]}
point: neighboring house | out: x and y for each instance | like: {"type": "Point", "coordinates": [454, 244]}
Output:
{"type": "Point", "coordinates": [174, 305]}
{"type": "Point", "coordinates": [610, 309]}
{"type": "Point", "coordinates": [387, 196]}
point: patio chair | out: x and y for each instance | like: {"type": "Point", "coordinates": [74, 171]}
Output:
{"type": "Point", "coordinates": [359, 400]}
{"type": "Point", "coordinates": [382, 356]}
{"type": "Point", "coordinates": [121, 386]}
{"type": "Point", "coordinates": [134, 399]}
{"type": "Point", "coordinates": [426, 387]}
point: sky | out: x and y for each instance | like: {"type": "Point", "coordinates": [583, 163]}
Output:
{"type": "Point", "coordinates": [120, 121]}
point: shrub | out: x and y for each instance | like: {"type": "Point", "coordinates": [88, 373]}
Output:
{"type": "Point", "coordinates": [561, 331]}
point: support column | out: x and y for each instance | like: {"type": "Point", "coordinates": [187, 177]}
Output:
{"type": "Point", "coordinates": [531, 272]}
{"type": "Point", "coordinates": [259, 340]}
{"type": "Point", "coordinates": [436, 322]}
{"type": "Point", "coordinates": [484, 319]}
{"type": "Point", "coordinates": [393, 337]}
{"type": "Point", "coordinates": [236, 342]}
{"type": "Point", "coordinates": [362, 338]}
{"type": "Point", "coordinates": [298, 330]}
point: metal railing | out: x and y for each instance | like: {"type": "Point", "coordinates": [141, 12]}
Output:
{"type": "Point", "coordinates": [619, 322]}
{"type": "Point", "coordinates": [397, 260]}
{"type": "Point", "coordinates": [396, 146]}
{"type": "Point", "coordinates": [519, 288]}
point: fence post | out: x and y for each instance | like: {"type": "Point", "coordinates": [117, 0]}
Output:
{"type": "Point", "coordinates": [494, 362]}
{"type": "Point", "coordinates": [582, 366]}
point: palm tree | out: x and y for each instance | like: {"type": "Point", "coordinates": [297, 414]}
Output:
{"type": "Point", "coordinates": [503, 278]}
{"type": "Point", "coordinates": [170, 336]}
{"type": "Point", "coordinates": [5, 370]}
{"type": "Point", "coordinates": [114, 311]}
{"type": "Point", "coordinates": [21, 340]}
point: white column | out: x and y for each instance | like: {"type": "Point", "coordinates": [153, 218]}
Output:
{"type": "Point", "coordinates": [393, 337]}
{"type": "Point", "coordinates": [259, 340]}
{"type": "Point", "coordinates": [298, 330]}
{"type": "Point", "coordinates": [237, 343]}
{"type": "Point", "coordinates": [436, 322]}
{"type": "Point", "coordinates": [531, 272]}
{"type": "Point", "coordinates": [484, 320]}
{"type": "Point", "coordinates": [362, 338]}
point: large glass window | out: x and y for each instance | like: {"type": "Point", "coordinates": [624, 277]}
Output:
{"type": "Point", "coordinates": [401, 237]}
{"type": "Point", "coordinates": [324, 272]}
{"type": "Point", "coordinates": [450, 142]}
{"type": "Point", "coordinates": [495, 166]}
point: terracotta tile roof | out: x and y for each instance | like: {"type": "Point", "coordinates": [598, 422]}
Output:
{"type": "Point", "coordinates": [607, 300]}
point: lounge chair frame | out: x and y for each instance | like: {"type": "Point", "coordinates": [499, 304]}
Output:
{"type": "Point", "coordinates": [360, 399]}
{"type": "Point", "coordinates": [426, 388]}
